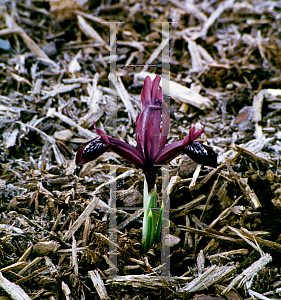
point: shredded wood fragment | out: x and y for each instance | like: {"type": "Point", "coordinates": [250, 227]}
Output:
{"type": "Point", "coordinates": [98, 284]}
{"type": "Point", "coordinates": [91, 206]}
{"type": "Point", "coordinates": [247, 276]}
{"type": "Point", "coordinates": [14, 291]}
{"type": "Point", "coordinates": [211, 276]}
{"type": "Point", "coordinates": [147, 281]}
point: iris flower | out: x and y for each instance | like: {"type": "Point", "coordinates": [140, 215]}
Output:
{"type": "Point", "coordinates": [152, 127]}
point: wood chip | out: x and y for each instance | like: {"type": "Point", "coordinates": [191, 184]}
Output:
{"type": "Point", "coordinates": [98, 284]}
{"type": "Point", "coordinates": [14, 291]}
{"type": "Point", "coordinates": [246, 277]}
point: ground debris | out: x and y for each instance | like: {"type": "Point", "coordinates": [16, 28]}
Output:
{"type": "Point", "coordinates": [223, 61]}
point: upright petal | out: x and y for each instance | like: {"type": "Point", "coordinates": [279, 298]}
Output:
{"type": "Point", "coordinates": [156, 132]}
{"type": "Point", "coordinates": [165, 125]}
{"type": "Point", "coordinates": [156, 91]}
{"type": "Point", "coordinates": [145, 124]}
{"type": "Point", "coordinates": [150, 92]}
{"type": "Point", "coordinates": [146, 93]}
{"type": "Point", "coordinates": [149, 121]}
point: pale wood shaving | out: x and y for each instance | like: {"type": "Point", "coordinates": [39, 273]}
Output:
{"type": "Point", "coordinates": [147, 281]}
{"type": "Point", "coordinates": [14, 291]}
{"type": "Point", "coordinates": [90, 32]}
{"type": "Point", "coordinates": [98, 284]}
{"type": "Point", "coordinates": [247, 276]}
{"type": "Point", "coordinates": [211, 276]}
{"type": "Point", "coordinates": [90, 207]}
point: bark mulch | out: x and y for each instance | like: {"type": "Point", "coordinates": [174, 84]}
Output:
{"type": "Point", "coordinates": [225, 232]}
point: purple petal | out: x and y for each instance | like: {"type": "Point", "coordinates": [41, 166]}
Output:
{"type": "Point", "coordinates": [156, 133]}
{"type": "Point", "coordinates": [174, 149]}
{"type": "Point", "coordinates": [96, 147]}
{"type": "Point", "coordinates": [147, 130]}
{"type": "Point", "coordinates": [168, 153]}
{"type": "Point", "coordinates": [146, 93]}
{"type": "Point", "coordinates": [90, 151]}
{"type": "Point", "coordinates": [156, 91]}
{"type": "Point", "coordinates": [149, 121]}
{"type": "Point", "coordinates": [126, 151]}
{"type": "Point", "coordinates": [150, 92]}
{"type": "Point", "coordinates": [201, 154]}
{"type": "Point", "coordinates": [165, 125]}
{"type": "Point", "coordinates": [138, 134]}
{"type": "Point", "coordinates": [121, 148]}
{"type": "Point", "coordinates": [101, 133]}
{"type": "Point", "coordinates": [192, 135]}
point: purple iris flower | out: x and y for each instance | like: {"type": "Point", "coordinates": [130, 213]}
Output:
{"type": "Point", "coordinates": [151, 138]}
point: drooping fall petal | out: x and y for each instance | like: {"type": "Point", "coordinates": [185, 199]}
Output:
{"type": "Point", "coordinates": [172, 150]}
{"type": "Point", "coordinates": [168, 153]}
{"type": "Point", "coordinates": [201, 154]}
{"type": "Point", "coordinates": [90, 151]}
{"type": "Point", "coordinates": [96, 147]}
{"type": "Point", "coordinates": [126, 151]}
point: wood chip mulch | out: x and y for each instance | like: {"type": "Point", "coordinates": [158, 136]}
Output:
{"type": "Point", "coordinates": [225, 75]}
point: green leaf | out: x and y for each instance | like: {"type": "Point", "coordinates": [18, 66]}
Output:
{"type": "Point", "coordinates": [159, 225]}
{"type": "Point", "coordinates": [148, 239]}
{"type": "Point", "coordinates": [150, 216]}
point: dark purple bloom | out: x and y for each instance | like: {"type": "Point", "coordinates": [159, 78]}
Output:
{"type": "Point", "coordinates": [151, 138]}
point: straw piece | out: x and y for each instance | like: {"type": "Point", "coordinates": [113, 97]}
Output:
{"type": "Point", "coordinates": [213, 17]}
{"type": "Point", "coordinates": [94, 112]}
{"type": "Point", "coordinates": [190, 8]}
{"type": "Point", "coordinates": [125, 97]}
{"type": "Point", "coordinates": [85, 132]}
{"type": "Point", "coordinates": [63, 88]}
{"type": "Point", "coordinates": [155, 54]}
